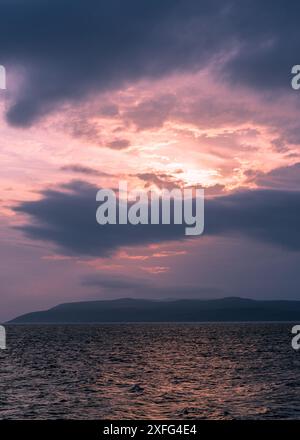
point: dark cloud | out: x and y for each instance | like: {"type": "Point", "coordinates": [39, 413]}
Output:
{"type": "Point", "coordinates": [168, 181]}
{"type": "Point", "coordinates": [268, 42]}
{"type": "Point", "coordinates": [284, 178]}
{"type": "Point", "coordinates": [81, 169]}
{"type": "Point", "coordinates": [160, 180]}
{"type": "Point", "coordinates": [270, 216]}
{"type": "Point", "coordinates": [70, 48]}
{"type": "Point", "coordinates": [119, 144]}
{"type": "Point", "coordinates": [66, 218]}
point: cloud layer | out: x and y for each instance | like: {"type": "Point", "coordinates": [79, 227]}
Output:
{"type": "Point", "coordinates": [69, 48]}
{"type": "Point", "coordinates": [66, 218]}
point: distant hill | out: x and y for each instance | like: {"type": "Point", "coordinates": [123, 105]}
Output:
{"type": "Point", "coordinates": [183, 310]}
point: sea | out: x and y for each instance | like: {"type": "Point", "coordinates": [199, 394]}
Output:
{"type": "Point", "coordinates": [150, 371]}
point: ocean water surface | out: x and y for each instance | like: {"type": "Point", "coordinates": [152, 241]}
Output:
{"type": "Point", "coordinates": [150, 371]}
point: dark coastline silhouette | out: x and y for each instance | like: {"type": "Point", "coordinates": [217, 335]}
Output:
{"type": "Point", "coordinates": [182, 310]}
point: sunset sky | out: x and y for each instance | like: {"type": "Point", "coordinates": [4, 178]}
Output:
{"type": "Point", "coordinates": [165, 94]}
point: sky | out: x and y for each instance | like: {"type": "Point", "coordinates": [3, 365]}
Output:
{"type": "Point", "coordinates": [170, 94]}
